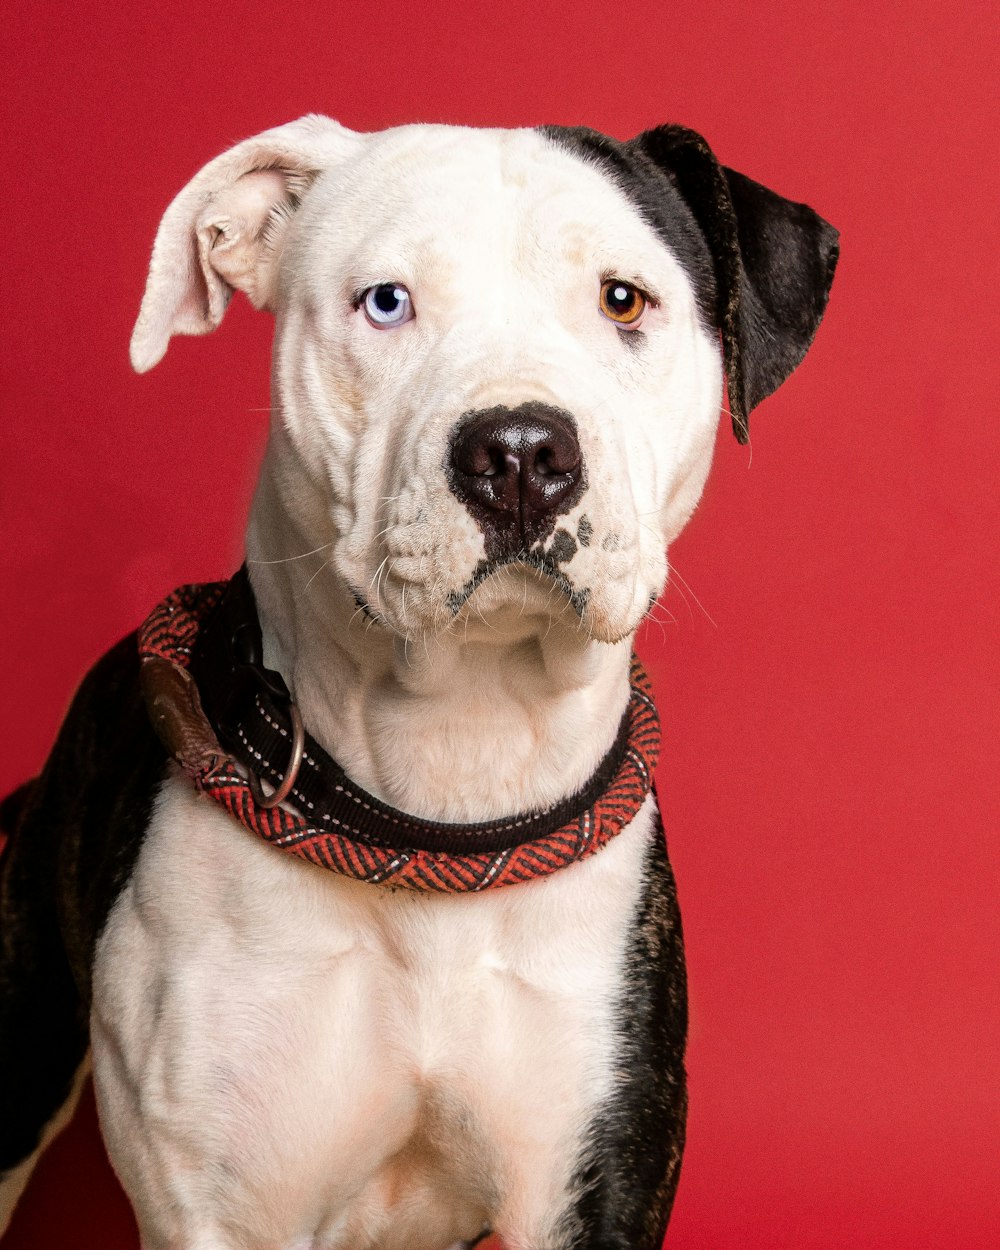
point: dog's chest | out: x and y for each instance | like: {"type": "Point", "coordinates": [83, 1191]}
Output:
{"type": "Point", "coordinates": [294, 1055]}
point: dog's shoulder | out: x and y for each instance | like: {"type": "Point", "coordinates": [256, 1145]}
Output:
{"type": "Point", "coordinates": [76, 829]}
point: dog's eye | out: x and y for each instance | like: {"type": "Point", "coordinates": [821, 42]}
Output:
{"type": "Point", "coordinates": [622, 303]}
{"type": "Point", "coordinates": [387, 305]}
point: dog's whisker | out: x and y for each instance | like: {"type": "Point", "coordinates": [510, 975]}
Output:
{"type": "Point", "coordinates": [683, 585]}
{"type": "Point", "coordinates": [659, 611]}
{"type": "Point", "coordinates": [724, 412]}
{"type": "Point", "coordinates": [287, 559]}
{"type": "Point", "coordinates": [324, 565]}
{"type": "Point", "coordinates": [684, 598]}
{"type": "Point", "coordinates": [381, 578]}
{"type": "Point", "coordinates": [375, 576]}
{"type": "Point", "coordinates": [660, 617]}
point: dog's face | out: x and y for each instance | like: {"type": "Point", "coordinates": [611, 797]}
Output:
{"type": "Point", "coordinates": [498, 359]}
{"type": "Point", "coordinates": [470, 404]}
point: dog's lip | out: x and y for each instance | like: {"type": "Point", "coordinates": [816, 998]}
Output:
{"type": "Point", "coordinates": [536, 563]}
{"type": "Point", "coordinates": [365, 608]}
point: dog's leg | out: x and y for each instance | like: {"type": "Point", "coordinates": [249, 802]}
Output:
{"type": "Point", "coordinates": [43, 1029]}
{"type": "Point", "coordinates": [13, 1182]}
{"type": "Point", "coordinates": [74, 834]}
{"type": "Point", "coordinates": [630, 1172]}
{"type": "Point", "coordinates": [616, 1189]}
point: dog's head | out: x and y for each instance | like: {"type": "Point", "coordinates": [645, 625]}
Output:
{"type": "Point", "coordinates": [499, 354]}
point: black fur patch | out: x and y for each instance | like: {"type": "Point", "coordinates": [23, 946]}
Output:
{"type": "Point", "coordinates": [627, 1176]}
{"type": "Point", "coordinates": [562, 548]}
{"type": "Point", "coordinates": [761, 266]}
{"type": "Point", "coordinates": [656, 198]}
{"type": "Point", "coordinates": [75, 834]}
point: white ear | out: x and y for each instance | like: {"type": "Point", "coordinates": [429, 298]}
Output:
{"type": "Point", "coordinates": [224, 231]}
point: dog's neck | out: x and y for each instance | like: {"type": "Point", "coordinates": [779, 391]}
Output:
{"type": "Point", "coordinates": [497, 716]}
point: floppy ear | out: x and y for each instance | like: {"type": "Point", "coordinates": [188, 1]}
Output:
{"type": "Point", "coordinates": [773, 260]}
{"type": "Point", "coordinates": [225, 230]}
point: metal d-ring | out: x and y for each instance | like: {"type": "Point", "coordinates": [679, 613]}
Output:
{"type": "Point", "coordinates": [291, 772]}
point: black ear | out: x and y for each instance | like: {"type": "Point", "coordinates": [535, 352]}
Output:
{"type": "Point", "coordinates": [773, 260]}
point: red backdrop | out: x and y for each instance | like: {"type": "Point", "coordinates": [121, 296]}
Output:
{"type": "Point", "coordinates": [828, 680]}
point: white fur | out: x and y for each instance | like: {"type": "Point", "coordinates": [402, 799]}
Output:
{"type": "Point", "coordinates": [283, 1057]}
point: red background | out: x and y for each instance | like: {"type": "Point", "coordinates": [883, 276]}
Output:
{"type": "Point", "coordinates": [828, 683]}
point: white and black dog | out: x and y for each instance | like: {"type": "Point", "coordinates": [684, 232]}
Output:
{"type": "Point", "coordinates": [498, 367]}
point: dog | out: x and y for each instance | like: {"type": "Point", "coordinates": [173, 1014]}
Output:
{"type": "Point", "coordinates": [498, 365]}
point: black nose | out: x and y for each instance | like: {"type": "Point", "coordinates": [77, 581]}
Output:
{"type": "Point", "coordinates": [516, 469]}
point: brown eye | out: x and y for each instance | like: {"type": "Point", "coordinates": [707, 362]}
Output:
{"type": "Point", "coordinates": [622, 303]}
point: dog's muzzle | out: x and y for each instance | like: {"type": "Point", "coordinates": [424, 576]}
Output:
{"type": "Point", "coordinates": [516, 470]}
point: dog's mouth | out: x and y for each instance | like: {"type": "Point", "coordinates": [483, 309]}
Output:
{"type": "Point", "coordinates": [529, 583]}
{"type": "Point", "coordinates": [538, 568]}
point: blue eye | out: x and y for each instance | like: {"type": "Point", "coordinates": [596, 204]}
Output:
{"type": "Point", "coordinates": [387, 305]}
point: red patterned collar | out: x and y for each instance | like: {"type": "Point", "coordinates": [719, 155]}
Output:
{"type": "Point", "coordinates": [224, 727]}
